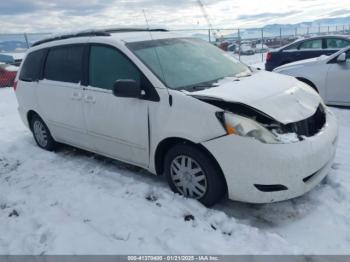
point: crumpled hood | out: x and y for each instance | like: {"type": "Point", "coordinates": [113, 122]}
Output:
{"type": "Point", "coordinates": [282, 97]}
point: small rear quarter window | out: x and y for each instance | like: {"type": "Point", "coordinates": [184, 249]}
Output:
{"type": "Point", "coordinates": [31, 69]}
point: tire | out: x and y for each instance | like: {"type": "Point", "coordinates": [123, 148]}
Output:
{"type": "Point", "coordinates": [205, 183]}
{"type": "Point", "coordinates": [41, 134]}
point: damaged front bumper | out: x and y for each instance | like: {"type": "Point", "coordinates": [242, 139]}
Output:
{"type": "Point", "coordinates": [261, 173]}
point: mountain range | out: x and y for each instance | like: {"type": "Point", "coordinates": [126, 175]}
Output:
{"type": "Point", "coordinates": [335, 21]}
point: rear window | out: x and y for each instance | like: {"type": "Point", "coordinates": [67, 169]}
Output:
{"type": "Point", "coordinates": [31, 69]}
{"type": "Point", "coordinates": [64, 64]}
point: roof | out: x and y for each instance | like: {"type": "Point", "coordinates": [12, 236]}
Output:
{"type": "Point", "coordinates": [144, 36]}
{"type": "Point", "coordinates": [99, 32]}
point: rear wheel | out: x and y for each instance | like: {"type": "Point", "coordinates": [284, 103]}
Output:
{"type": "Point", "coordinates": [193, 174]}
{"type": "Point", "coordinates": [42, 134]}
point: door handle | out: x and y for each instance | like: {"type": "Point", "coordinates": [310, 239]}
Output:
{"type": "Point", "coordinates": [76, 96]}
{"type": "Point", "coordinates": [90, 99]}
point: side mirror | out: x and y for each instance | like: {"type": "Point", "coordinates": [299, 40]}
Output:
{"type": "Point", "coordinates": [127, 88]}
{"type": "Point", "coordinates": [341, 58]}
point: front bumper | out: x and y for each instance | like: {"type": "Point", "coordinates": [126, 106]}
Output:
{"type": "Point", "coordinates": [247, 162]}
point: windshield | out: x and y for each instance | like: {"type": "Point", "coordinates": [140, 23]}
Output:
{"type": "Point", "coordinates": [182, 63]}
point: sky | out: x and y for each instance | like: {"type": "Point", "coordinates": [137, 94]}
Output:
{"type": "Point", "coordinates": [69, 15]}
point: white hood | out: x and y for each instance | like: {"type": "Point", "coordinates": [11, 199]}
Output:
{"type": "Point", "coordinates": [305, 62]}
{"type": "Point", "coordinates": [282, 97]}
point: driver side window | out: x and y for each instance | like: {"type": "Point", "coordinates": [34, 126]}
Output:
{"type": "Point", "coordinates": [107, 65]}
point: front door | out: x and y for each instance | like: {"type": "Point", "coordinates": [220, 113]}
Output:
{"type": "Point", "coordinates": [117, 126]}
{"type": "Point", "coordinates": [338, 82]}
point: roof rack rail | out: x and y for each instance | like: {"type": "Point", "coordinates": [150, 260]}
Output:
{"type": "Point", "coordinates": [72, 35]}
{"type": "Point", "coordinates": [102, 32]}
{"type": "Point", "coordinates": [123, 30]}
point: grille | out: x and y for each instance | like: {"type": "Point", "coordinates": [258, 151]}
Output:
{"type": "Point", "coordinates": [309, 126]}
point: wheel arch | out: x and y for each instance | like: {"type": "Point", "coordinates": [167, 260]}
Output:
{"type": "Point", "coordinates": [30, 115]}
{"type": "Point", "coordinates": [308, 82]}
{"type": "Point", "coordinates": [164, 146]}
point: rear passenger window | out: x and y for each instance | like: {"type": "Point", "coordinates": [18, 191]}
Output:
{"type": "Point", "coordinates": [312, 44]}
{"type": "Point", "coordinates": [65, 64]}
{"type": "Point", "coordinates": [336, 43]}
{"type": "Point", "coordinates": [108, 65]}
{"type": "Point", "coordinates": [31, 69]}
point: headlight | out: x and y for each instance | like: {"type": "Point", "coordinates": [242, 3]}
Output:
{"type": "Point", "coordinates": [242, 126]}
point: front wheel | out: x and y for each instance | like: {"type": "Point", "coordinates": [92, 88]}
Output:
{"type": "Point", "coordinates": [42, 134]}
{"type": "Point", "coordinates": [193, 174]}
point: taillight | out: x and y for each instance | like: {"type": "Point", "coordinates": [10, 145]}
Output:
{"type": "Point", "coordinates": [268, 56]}
{"type": "Point", "coordinates": [15, 85]}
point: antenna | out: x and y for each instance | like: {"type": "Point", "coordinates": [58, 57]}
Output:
{"type": "Point", "coordinates": [157, 56]}
{"type": "Point", "coordinates": [207, 18]}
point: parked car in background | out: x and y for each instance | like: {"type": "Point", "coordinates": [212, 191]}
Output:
{"type": "Point", "coordinates": [232, 48]}
{"type": "Point", "coordinates": [210, 124]}
{"type": "Point", "coordinates": [328, 75]}
{"type": "Point", "coordinates": [224, 45]}
{"type": "Point", "coordinates": [261, 48]}
{"type": "Point", "coordinates": [247, 50]}
{"type": "Point", "coordinates": [7, 74]}
{"type": "Point", "coordinates": [304, 49]}
{"type": "Point", "coordinates": [7, 59]}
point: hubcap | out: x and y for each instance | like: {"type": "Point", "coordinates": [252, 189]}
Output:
{"type": "Point", "coordinates": [40, 133]}
{"type": "Point", "coordinates": [188, 177]}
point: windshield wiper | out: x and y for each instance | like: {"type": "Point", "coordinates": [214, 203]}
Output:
{"type": "Point", "coordinates": [201, 87]}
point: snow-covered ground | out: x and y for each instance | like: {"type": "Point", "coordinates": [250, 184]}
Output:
{"type": "Point", "coordinates": [74, 202]}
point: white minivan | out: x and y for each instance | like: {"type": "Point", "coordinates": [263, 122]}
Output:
{"type": "Point", "coordinates": [181, 107]}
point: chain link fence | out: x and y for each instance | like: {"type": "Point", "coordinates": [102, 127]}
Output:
{"type": "Point", "coordinates": [249, 45]}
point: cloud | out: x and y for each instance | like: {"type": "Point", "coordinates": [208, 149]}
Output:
{"type": "Point", "coordinates": [67, 15]}
{"type": "Point", "coordinates": [265, 15]}
{"type": "Point", "coordinates": [14, 7]}
{"type": "Point", "coordinates": [339, 12]}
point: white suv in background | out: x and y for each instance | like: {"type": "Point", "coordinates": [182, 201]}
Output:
{"type": "Point", "coordinates": [181, 107]}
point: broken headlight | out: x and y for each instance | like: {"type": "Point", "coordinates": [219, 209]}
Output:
{"type": "Point", "coordinates": [242, 126]}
